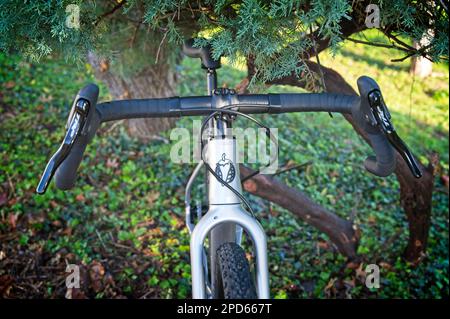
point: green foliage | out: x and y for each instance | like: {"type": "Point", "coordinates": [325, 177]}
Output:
{"type": "Point", "coordinates": [404, 14]}
{"type": "Point", "coordinates": [137, 33]}
{"type": "Point", "coordinates": [37, 28]}
{"type": "Point", "coordinates": [126, 209]}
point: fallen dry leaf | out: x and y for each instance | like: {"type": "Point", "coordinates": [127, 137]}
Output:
{"type": "Point", "coordinates": [323, 245]}
{"type": "Point", "coordinates": [152, 196]}
{"type": "Point", "coordinates": [9, 84]}
{"type": "Point", "coordinates": [96, 274]}
{"type": "Point", "coordinates": [329, 288]}
{"type": "Point", "coordinates": [6, 282]}
{"type": "Point", "coordinates": [67, 231]}
{"type": "Point", "coordinates": [385, 265]}
{"type": "Point", "coordinates": [104, 65]}
{"type": "Point", "coordinates": [112, 163]}
{"type": "Point", "coordinates": [12, 221]}
{"type": "Point", "coordinates": [372, 220]}
{"type": "Point", "coordinates": [353, 265]}
{"type": "Point", "coordinates": [57, 223]}
{"type": "Point", "coordinates": [3, 199]}
{"type": "Point", "coordinates": [75, 293]}
{"type": "Point", "coordinates": [360, 273]}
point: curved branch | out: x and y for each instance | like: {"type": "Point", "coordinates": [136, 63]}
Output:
{"type": "Point", "coordinates": [415, 194]}
{"type": "Point", "coordinates": [380, 45]}
{"type": "Point", "coordinates": [341, 232]}
{"type": "Point", "coordinates": [110, 12]}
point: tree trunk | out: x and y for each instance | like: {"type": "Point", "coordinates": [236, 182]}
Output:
{"type": "Point", "coordinates": [416, 199]}
{"type": "Point", "coordinates": [420, 66]}
{"type": "Point", "coordinates": [415, 194]}
{"type": "Point", "coordinates": [153, 81]}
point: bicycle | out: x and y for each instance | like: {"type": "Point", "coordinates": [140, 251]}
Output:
{"type": "Point", "coordinates": [228, 275]}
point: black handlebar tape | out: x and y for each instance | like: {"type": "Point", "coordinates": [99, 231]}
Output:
{"type": "Point", "coordinates": [204, 53]}
{"type": "Point", "coordinates": [66, 173]}
{"type": "Point", "coordinates": [128, 109]}
{"type": "Point", "coordinates": [383, 163]}
{"type": "Point", "coordinates": [317, 102]}
{"type": "Point", "coordinates": [203, 105]}
{"type": "Point", "coordinates": [148, 108]}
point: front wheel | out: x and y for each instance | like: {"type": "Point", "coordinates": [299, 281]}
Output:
{"type": "Point", "coordinates": [233, 270]}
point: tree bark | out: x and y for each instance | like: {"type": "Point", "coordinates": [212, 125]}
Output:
{"type": "Point", "coordinates": [341, 232]}
{"type": "Point", "coordinates": [153, 81]}
{"type": "Point", "coordinates": [415, 194]}
{"type": "Point", "coordinates": [416, 200]}
{"type": "Point", "coordinates": [420, 66]}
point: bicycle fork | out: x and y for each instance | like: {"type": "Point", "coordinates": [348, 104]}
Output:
{"type": "Point", "coordinates": [224, 209]}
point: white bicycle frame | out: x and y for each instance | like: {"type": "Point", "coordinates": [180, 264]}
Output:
{"type": "Point", "coordinates": [225, 209]}
{"type": "Point", "coordinates": [226, 218]}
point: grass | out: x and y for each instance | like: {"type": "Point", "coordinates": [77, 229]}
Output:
{"type": "Point", "coordinates": [126, 212]}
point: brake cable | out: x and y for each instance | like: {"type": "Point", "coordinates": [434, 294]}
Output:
{"type": "Point", "coordinates": [208, 167]}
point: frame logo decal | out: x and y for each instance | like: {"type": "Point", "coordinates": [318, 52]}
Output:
{"type": "Point", "coordinates": [225, 167]}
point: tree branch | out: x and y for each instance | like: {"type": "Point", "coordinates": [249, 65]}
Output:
{"type": "Point", "coordinates": [340, 231]}
{"type": "Point", "coordinates": [376, 44]}
{"type": "Point", "coordinates": [110, 12]}
{"type": "Point", "coordinates": [415, 194]}
{"type": "Point", "coordinates": [348, 27]}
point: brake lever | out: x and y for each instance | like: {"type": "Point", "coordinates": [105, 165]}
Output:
{"type": "Point", "coordinates": [383, 118]}
{"type": "Point", "coordinates": [77, 119]}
